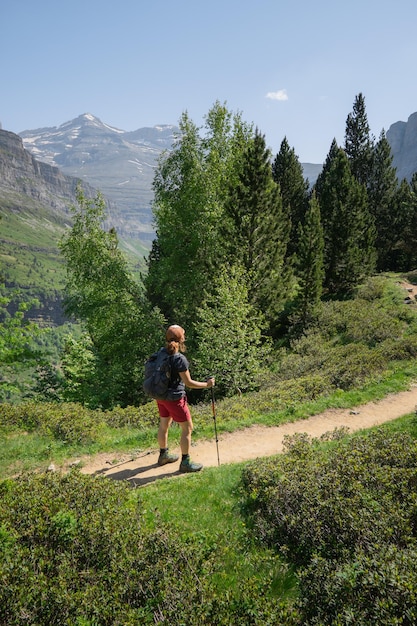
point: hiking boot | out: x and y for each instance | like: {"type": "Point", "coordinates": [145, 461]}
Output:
{"type": "Point", "coordinates": [165, 457]}
{"type": "Point", "coordinates": [189, 466]}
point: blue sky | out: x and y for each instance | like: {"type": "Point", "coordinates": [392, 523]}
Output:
{"type": "Point", "coordinates": [290, 67]}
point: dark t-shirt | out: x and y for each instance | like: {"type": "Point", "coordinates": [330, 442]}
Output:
{"type": "Point", "coordinates": [179, 364]}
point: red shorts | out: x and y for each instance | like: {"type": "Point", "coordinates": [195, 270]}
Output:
{"type": "Point", "coordinates": [177, 409]}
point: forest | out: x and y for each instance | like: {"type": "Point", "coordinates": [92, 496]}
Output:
{"type": "Point", "coordinates": [245, 252]}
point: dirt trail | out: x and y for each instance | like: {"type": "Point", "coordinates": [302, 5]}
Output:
{"type": "Point", "coordinates": [257, 441]}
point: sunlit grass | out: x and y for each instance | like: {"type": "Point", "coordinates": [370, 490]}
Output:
{"type": "Point", "coordinates": [29, 450]}
{"type": "Point", "coordinates": [204, 508]}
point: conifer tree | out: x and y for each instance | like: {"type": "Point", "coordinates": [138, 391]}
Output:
{"type": "Point", "coordinates": [358, 141]}
{"type": "Point", "coordinates": [331, 156]}
{"type": "Point", "coordinates": [349, 231]}
{"type": "Point", "coordinates": [402, 252]}
{"type": "Point", "coordinates": [258, 230]}
{"type": "Point", "coordinates": [381, 193]}
{"type": "Point", "coordinates": [228, 329]}
{"type": "Point", "coordinates": [410, 238]}
{"type": "Point", "coordinates": [310, 272]}
{"type": "Point", "coordinates": [288, 173]}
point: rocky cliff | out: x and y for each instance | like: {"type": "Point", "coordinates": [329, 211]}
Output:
{"type": "Point", "coordinates": [402, 137]}
{"type": "Point", "coordinates": [35, 201]}
{"type": "Point", "coordinates": [22, 174]}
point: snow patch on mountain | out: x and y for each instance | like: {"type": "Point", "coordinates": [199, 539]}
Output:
{"type": "Point", "coordinates": [120, 164]}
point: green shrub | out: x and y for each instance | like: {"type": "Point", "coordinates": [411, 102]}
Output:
{"type": "Point", "coordinates": [73, 551]}
{"type": "Point", "coordinates": [378, 586]}
{"type": "Point", "coordinates": [346, 515]}
{"type": "Point", "coordinates": [135, 416]}
{"type": "Point", "coordinates": [357, 494]}
{"type": "Point", "coordinates": [68, 422]}
{"type": "Point", "coordinates": [351, 342]}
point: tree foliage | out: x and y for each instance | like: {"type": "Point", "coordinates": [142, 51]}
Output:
{"type": "Point", "coordinates": [359, 146]}
{"type": "Point", "coordinates": [258, 229]}
{"type": "Point", "coordinates": [190, 187]}
{"type": "Point", "coordinates": [287, 171]}
{"type": "Point", "coordinates": [402, 248]}
{"type": "Point", "coordinates": [18, 349]}
{"type": "Point", "coordinates": [121, 324]}
{"type": "Point", "coordinates": [228, 333]}
{"type": "Point", "coordinates": [214, 204]}
{"type": "Point", "coordinates": [310, 270]}
{"type": "Point", "coordinates": [349, 231]}
{"type": "Point", "coordinates": [382, 188]}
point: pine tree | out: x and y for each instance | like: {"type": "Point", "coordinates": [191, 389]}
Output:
{"type": "Point", "coordinates": [321, 179]}
{"type": "Point", "coordinates": [358, 142]}
{"type": "Point", "coordinates": [349, 231]}
{"type": "Point", "coordinates": [310, 262]}
{"type": "Point", "coordinates": [288, 173]}
{"type": "Point", "coordinates": [229, 341]}
{"type": "Point", "coordinates": [257, 229]}
{"type": "Point", "coordinates": [410, 239]}
{"type": "Point", "coordinates": [381, 193]}
{"type": "Point", "coordinates": [402, 253]}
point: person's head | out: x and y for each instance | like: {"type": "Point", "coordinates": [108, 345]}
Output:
{"type": "Point", "coordinates": [175, 339]}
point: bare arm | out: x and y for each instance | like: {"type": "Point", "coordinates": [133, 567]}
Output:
{"type": "Point", "coordinates": [195, 384]}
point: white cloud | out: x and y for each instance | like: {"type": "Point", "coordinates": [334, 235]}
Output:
{"type": "Point", "coordinates": [280, 95]}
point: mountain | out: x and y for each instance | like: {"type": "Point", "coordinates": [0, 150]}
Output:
{"type": "Point", "coordinates": [35, 201]}
{"type": "Point", "coordinates": [120, 164]}
{"type": "Point", "coordinates": [22, 175]}
{"type": "Point", "coordinates": [311, 171]}
{"type": "Point", "coordinates": [402, 137]}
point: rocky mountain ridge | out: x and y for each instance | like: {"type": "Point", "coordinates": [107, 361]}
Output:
{"type": "Point", "coordinates": [21, 173]}
{"type": "Point", "coordinates": [36, 198]}
{"type": "Point", "coordinates": [35, 201]}
{"type": "Point", "coordinates": [402, 137]}
{"type": "Point", "coordinates": [120, 164]}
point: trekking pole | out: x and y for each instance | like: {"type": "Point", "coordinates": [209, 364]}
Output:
{"type": "Point", "coordinates": [213, 406]}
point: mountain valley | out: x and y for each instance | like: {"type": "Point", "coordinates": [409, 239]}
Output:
{"type": "Point", "coordinates": [40, 170]}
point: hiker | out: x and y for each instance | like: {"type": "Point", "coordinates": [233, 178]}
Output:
{"type": "Point", "coordinates": [178, 410]}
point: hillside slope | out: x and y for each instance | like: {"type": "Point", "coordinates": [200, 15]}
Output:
{"type": "Point", "coordinates": [35, 202]}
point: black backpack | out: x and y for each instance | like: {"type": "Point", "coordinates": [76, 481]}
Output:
{"type": "Point", "coordinates": [158, 375]}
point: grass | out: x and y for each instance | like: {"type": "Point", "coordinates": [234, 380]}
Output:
{"type": "Point", "coordinates": [30, 248]}
{"type": "Point", "coordinates": [22, 450]}
{"type": "Point", "coordinates": [30, 256]}
{"type": "Point", "coordinates": [189, 505]}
